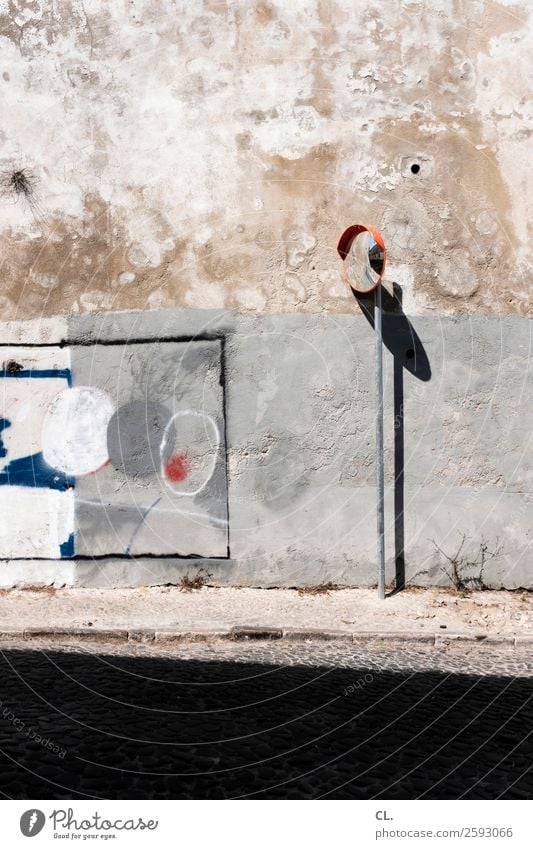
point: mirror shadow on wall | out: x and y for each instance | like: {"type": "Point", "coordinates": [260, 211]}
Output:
{"type": "Point", "coordinates": [403, 342]}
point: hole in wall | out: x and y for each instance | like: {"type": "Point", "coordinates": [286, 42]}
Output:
{"type": "Point", "coordinates": [415, 168]}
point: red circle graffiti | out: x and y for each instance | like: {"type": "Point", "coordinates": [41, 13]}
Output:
{"type": "Point", "coordinates": [177, 468]}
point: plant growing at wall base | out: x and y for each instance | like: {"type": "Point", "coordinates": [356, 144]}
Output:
{"type": "Point", "coordinates": [466, 572]}
{"type": "Point", "coordinates": [318, 589]}
{"type": "Point", "coordinates": [188, 584]}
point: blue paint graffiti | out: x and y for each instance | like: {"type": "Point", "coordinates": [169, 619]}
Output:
{"type": "Point", "coordinates": [4, 423]}
{"type": "Point", "coordinates": [33, 470]}
{"type": "Point", "coordinates": [67, 548]}
{"type": "Point", "coordinates": [64, 373]}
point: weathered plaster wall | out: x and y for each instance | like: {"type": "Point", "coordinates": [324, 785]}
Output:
{"type": "Point", "coordinates": [208, 154]}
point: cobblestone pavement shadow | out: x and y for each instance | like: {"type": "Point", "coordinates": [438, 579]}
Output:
{"type": "Point", "coordinates": [77, 725]}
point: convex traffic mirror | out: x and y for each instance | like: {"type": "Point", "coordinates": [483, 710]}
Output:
{"type": "Point", "coordinates": [363, 253]}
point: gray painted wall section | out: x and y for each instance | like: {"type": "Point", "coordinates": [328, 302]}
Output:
{"type": "Point", "coordinates": [129, 506]}
{"type": "Point", "coordinates": [300, 431]}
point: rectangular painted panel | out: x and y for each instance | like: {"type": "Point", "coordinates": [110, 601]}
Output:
{"type": "Point", "coordinates": [113, 450]}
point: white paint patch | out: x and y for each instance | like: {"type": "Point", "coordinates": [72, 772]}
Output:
{"type": "Point", "coordinates": [24, 402]}
{"type": "Point", "coordinates": [403, 275]}
{"type": "Point", "coordinates": [35, 521]}
{"type": "Point", "coordinates": [74, 435]}
{"type": "Point", "coordinates": [43, 330]}
{"type": "Point", "coordinates": [267, 392]}
{"type": "Point", "coordinates": [251, 299]}
{"type": "Point", "coordinates": [32, 359]}
{"type": "Point", "coordinates": [486, 225]}
{"type": "Point", "coordinates": [213, 295]}
{"type": "Point", "coordinates": [92, 301]}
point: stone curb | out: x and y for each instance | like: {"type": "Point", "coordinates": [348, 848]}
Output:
{"type": "Point", "coordinates": [245, 632]}
{"type": "Point", "coordinates": [252, 633]}
{"type": "Point", "coordinates": [190, 636]}
{"type": "Point", "coordinates": [315, 634]}
{"type": "Point", "coordinates": [393, 637]}
{"type": "Point", "coordinates": [469, 639]}
{"type": "Point", "coordinates": [93, 634]}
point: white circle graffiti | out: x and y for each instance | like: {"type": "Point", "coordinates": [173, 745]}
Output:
{"type": "Point", "coordinates": [189, 451]}
{"type": "Point", "coordinates": [75, 430]}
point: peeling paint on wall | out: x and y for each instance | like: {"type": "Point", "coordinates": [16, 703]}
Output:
{"type": "Point", "coordinates": [207, 154]}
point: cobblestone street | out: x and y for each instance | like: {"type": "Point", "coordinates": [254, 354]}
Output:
{"type": "Point", "coordinates": [265, 719]}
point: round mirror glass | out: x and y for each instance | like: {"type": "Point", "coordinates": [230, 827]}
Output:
{"type": "Point", "coordinates": [365, 262]}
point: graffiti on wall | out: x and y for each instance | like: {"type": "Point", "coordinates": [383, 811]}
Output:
{"type": "Point", "coordinates": [112, 450]}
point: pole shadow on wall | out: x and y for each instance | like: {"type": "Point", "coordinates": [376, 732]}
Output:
{"type": "Point", "coordinates": [403, 342]}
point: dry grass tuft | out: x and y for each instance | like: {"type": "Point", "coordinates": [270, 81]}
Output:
{"type": "Point", "coordinates": [187, 584]}
{"type": "Point", "coordinates": [318, 589]}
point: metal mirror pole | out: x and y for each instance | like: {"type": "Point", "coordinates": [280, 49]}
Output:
{"type": "Point", "coordinates": [380, 488]}
{"type": "Point", "coordinates": [363, 253]}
